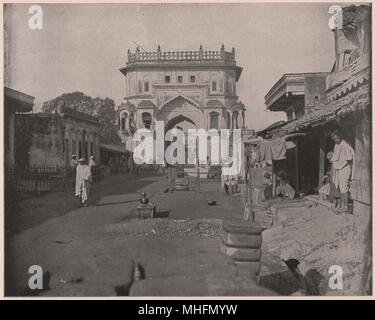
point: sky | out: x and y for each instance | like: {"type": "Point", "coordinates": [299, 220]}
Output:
{"type": "Point", "coordinates": [81, 47]}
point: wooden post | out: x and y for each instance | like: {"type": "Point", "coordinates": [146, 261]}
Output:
{"type": "Point", "coordinates": [273, 181]}
{"type": "Point", "coordinates": [249, 203]}
{"type": "Point", "coordinates": [199, 182]}
{"type": "Point", "coordinates": [170, 179]}
{"type": "Point", "coordinates": [251, 195]}
{"type": "Point", "coordinates": [322, 157]}
{"type": "Point", "coordinates": [297, 167]}
{"type": "Point", "coordinates": [247, 185]}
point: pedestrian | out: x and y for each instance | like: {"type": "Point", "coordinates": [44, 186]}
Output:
{"type": "Point", "coordinates": [73, 166]}
{"type": "Point", "coordinates": [73, 162]}
{"type": "Point", "coordinates": [342, 161]}
{"type": "Point", "coordinates": [83, 181]}
{"type": "Point", "coordinates": [92, 162]}
{"type": "Point", "coordinates": [111, 167]}
{"type": "Point", "coordinates": [229, 176]}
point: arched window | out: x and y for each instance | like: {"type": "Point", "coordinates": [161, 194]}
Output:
{"type": "Point", "coordinates": [146, 85]}
{"type": "Point", "coordinates": [235, 120]}
{"type": "Point", "coordinates": [131, 121]}
{"type": "Point", "coordinates": [214, 120]}
{"type": "Point", "coordinates": [146, 120]}
{"type": "Point", "coordinates": [124, 118]}
{"type": "Point", "coordinates": [228, 120]}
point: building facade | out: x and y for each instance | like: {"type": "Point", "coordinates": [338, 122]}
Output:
{"type": "Point", "coordinates": [185, 89]}
{"type": "Point", "coordinates": [14, 102]}
{"type": "Point", "coordinates": [347, 107]}
{"type": "Point", "coordinates": [298, 94]}
{"type": "Point", "coordinates": [54, 138]}
{"type": "Point", "coordinates": [349, 90]}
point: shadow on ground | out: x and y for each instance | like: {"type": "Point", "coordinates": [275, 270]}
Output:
{"type": "Point", "coordinates": [31, 212]}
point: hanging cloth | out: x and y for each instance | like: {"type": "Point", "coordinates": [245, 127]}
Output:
{"type": "Point", "coordinates": [269, 150]}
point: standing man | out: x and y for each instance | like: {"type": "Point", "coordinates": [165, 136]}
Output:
{"type": "Point", "coordinates": [73, 162]}
{"type": "Point", "coordinates": [229, 176]}
{"type": "Point", "coordinates": [83, 181]}
{"type": "Point", "coordinates": [92, 162]}
{"type": "Point", "coordinates": [111, 166]}
{"type": "Point", "coordinates": [342, 161]}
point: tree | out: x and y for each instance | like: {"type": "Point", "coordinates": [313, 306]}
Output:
{"type": "Point", "coordinates": [107, 118]}
{"type": "Point", "coordinates": [104, 109]}
{"type": "Point", "coordinates": [82, 102]}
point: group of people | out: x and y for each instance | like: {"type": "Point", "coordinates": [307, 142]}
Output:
{"type": "Point", "coordinates": [335, 184]}
{"type": "Point", "coordinates": [83, 173]}
{"type": "Point", "coordinates": [282, 187]}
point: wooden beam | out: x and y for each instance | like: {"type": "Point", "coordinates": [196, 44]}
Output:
{"type": "Point", "coordinates": [322, 156]}
{"type": "Point", "coordinates": [297, 166]}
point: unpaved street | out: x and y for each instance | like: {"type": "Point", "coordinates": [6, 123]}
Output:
{"type": "Point", "coordinates": [92, 251]}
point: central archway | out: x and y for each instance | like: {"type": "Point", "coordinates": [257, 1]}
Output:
{"type": "Point", "coordinates": [179, 110]}
{"type": "Point", "coordinates": [184, 123]}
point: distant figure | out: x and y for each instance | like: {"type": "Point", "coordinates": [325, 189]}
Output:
{"type": "Point", "coordinates": [229, 176]}
{"type": "Point", "coordinates": [73, 162]}
{"type": "Point", "coordinates": [83, 180]}
{"type": "Point", "coordinates": [284, 188]}
{"type": "Point", "coordinates": [92, 165]}
{"type": "Point", "coordinates": [111, 167]}
{"type": "Point", "coordinates": [342, 161]}
{"type": "Point", "coordinates": [92, 162]}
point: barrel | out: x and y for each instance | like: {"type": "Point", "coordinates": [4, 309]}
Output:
{"type": "Point", "coordinates": [242, 240]}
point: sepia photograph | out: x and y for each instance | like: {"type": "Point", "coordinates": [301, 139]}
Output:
{"type": "Point", "coordinates": [187, 150]}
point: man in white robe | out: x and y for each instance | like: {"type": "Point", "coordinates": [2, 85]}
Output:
{"type": "Point", "coordinates": [342, 161]}
{"type": "Point", "coordinates": [83, 180]}
{"type": "Point", "coordinates": [92, 162]}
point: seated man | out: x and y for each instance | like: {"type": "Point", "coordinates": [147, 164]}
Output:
{"type": "Point", "coordinates": [283, 188]}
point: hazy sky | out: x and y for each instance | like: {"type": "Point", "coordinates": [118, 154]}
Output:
{"type": "Point", "coordinates": [81, 47]}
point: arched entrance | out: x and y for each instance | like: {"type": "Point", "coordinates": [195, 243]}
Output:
{"type": "Point", "coordinates": [183, 123]}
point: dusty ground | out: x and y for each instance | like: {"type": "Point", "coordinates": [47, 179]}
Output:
{"type": "Point", "coordinates": [93, 251]}
{"type": "Point", "coordinates": [318, 239]}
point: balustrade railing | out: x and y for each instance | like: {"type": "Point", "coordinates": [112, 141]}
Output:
{"type": "Point", "coordinates": [180, 56]}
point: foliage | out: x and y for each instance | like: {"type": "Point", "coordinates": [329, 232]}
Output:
{"type": "Point", "coordinates": [77, 99]}
{"type": "Point", "coordinates": [104, 109]}
{"type": "Point", "coordinates": [22, 141]}
{"type": "Point", "coordinates": [107, 118]}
